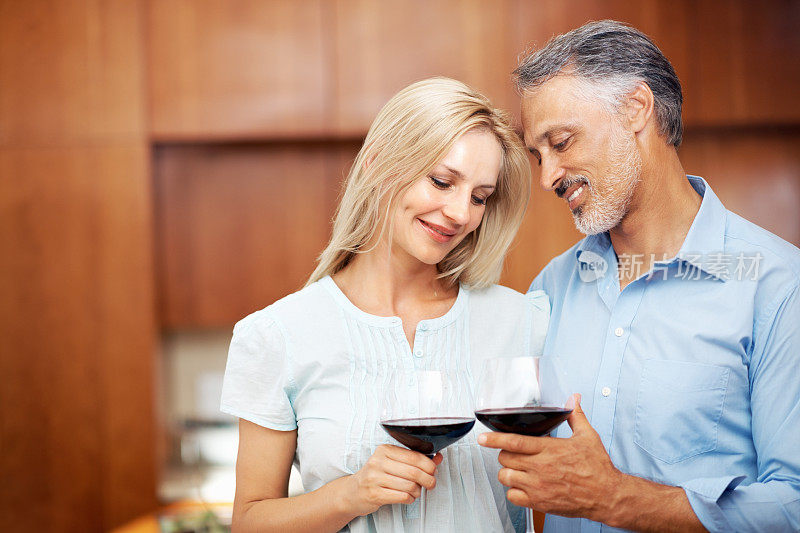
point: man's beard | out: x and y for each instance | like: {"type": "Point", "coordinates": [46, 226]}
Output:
{"type": "Point", "coordinates": [608, 202]}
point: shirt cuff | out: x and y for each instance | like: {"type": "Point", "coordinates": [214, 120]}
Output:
{"type": "Point", "coordinates": [704, 495]}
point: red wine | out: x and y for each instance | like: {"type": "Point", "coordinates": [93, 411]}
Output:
{"type": "Point", "coordinates": [531, 421]}
{"type": "Point", "coordinates": [428, 435]}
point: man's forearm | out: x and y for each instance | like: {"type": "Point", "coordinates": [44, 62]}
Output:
{"type": "Point", "coordinates": [641, 505]}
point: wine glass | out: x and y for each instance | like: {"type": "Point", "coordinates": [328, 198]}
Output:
{"type": "Point", "coordinates": [426, 411]}
{"type": "Point", "coordinates": [524, 395]}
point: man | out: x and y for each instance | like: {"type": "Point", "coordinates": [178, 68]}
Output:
{"type": "Point", "coordinates": [678, 321]}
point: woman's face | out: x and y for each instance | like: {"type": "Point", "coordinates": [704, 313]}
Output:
{"type": "Point", "coordinates": [441, 209]}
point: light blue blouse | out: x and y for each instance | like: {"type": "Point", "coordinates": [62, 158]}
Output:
{"type": "Point", "coordinates": [315, 362]}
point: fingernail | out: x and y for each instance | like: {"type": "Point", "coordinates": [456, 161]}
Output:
{"type": "Point", "coordinates": [482, 438]}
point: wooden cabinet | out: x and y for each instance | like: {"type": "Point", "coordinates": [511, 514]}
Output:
{"type": "Point", "coordinates": [233, 69]}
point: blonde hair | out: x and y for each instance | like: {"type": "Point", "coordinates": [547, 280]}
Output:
{"type": "Point", "coordinates": [410, 135]}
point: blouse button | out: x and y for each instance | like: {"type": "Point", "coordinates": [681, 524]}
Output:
{"type": "Point", "coordinates": [618, 332]}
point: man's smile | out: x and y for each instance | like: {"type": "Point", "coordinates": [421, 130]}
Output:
{"type": "Point", "coordinates": [573, 192]}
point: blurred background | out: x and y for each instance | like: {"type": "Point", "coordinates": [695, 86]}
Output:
{"type": "Point", "coordinates": [170, 166]}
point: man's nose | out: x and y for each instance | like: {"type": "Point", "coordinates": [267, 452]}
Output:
{"type": "Point", "coordinates": [551, 173]}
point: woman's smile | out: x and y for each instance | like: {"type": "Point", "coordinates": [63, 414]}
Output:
{"type": "Point", "coordinates": [437, 233]}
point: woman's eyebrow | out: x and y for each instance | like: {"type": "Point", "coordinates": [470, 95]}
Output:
{"type": "Point", "coordinates": [452, 171]}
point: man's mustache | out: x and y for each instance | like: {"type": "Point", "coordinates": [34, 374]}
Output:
{"type": "Point", "coordinates": [569, 182]}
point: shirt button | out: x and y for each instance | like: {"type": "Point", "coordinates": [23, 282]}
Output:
{"type": "Point", "coordinates": [606, 391]}
{"type": "Point", "coordinates": [412, 410]}
{"type": "Point", "coordinates": [418, 353]}
{"type": "Point", "coordinates": [618, 332]}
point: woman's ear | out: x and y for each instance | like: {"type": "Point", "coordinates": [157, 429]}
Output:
{"type": "Point", "coordinates": [639, 107]}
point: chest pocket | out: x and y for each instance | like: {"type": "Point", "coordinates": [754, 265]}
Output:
{"type": "Point", "coordinates": [678, 408]}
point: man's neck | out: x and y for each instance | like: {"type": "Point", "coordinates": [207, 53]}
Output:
{"type": "Point", "coordinates": [660, 215]}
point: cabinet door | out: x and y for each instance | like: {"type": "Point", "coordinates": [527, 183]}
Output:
{"type": "Point", "coordinates": [240, 226]}
{"type": "Point", "coordinates": [383, 46]}
{"type": "Point", "coordinates": [745, 67]}
{"type": "Point", "coordinates": [236, 68]}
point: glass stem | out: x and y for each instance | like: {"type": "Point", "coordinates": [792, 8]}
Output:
{"type": "Point", "coordinates": [423, 496]}
{"type": "Point", "coordinates": [528, 520]}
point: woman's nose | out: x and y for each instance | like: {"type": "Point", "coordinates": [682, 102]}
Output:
{"type": "Point", "coordinates": [457, 209]}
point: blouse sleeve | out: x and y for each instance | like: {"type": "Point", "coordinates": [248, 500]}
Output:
{"type": "Point", "coordinates": [257, 384]}
{"type": "Point", "coordinates": [539, 305]}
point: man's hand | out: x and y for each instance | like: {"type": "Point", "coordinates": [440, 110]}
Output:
{"type": "Point", "coordinates": [568, 477]}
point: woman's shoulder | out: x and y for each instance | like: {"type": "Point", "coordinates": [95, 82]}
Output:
{"type": "Point", "coordinates": [498, 304]}
{"type": "Point", "coordinates": [499, 298]}
{"type": "Point", "coordinates": [505, 321]}
{"type": "Point", "coordinates": [309, 304]}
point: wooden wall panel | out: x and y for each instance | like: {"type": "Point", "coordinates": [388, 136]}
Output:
{"type": "Point", "coordinates": [756, 174]}
{"type": "Point", "coordinates": [237, 68]}
{"type": "Point", "coordinates": [382, 47]}
{"type": "Point", "coordinates": [70, 71]}
{"type": "Point", "coordinates": [77, 421]}
{"type": "Point", "coordinates": [77, 322]}
{"type": "Point", "coordinates": [240, 226]}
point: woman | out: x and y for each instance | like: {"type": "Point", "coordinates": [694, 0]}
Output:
{"type": "Point", "coordinates": [429, 209]}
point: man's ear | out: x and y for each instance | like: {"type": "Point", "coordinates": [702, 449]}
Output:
{"type": "Point", "coordinates": [638, 108]}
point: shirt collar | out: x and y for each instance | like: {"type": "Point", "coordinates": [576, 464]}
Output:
{"type": "Point", "coordinates": [705, 238]}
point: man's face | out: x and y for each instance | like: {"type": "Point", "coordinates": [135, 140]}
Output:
{"type": "Point", "coordinates": [584, 153]}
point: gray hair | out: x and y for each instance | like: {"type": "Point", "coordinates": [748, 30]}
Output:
{"type": "Point", "coordinates": [610, 58]}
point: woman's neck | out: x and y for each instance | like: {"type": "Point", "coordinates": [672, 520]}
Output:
{"type": "Point", "coordinates": [380, 283]}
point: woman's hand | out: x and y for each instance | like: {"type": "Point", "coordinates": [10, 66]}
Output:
{"type": "Point", "coordinates": [391, 475]}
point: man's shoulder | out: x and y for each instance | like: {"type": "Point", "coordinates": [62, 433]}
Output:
{"type": "Point", "coordinates": [744, 238]}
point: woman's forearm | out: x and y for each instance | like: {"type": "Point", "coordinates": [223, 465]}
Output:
{"type": "Point", "coordinates": [325, 509]}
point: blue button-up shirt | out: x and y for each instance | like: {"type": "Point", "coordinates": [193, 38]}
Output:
{"type": "Point", "coordinates": [691, 373]}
